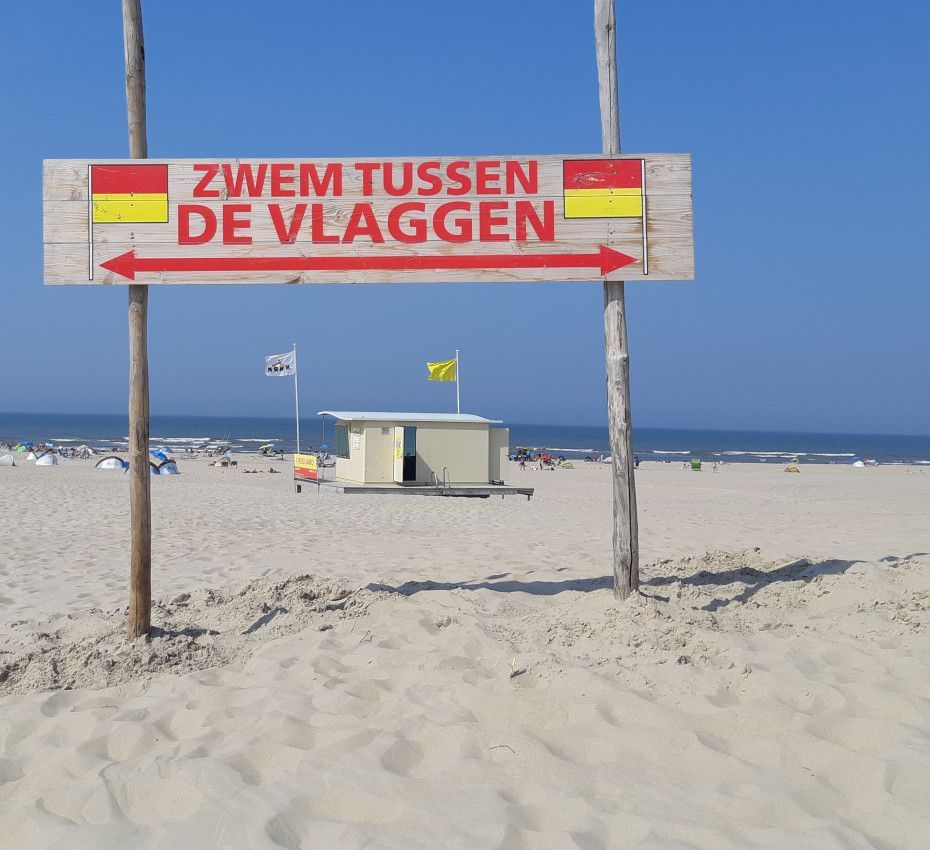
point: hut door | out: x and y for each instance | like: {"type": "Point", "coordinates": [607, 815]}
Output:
{"type": "Point", "coordinates": [405, 454]}
{"type": "Point", "coordinates": [398, 450]}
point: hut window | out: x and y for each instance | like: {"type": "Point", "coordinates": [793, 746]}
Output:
{"type": "Point", "coordinates": [342, 441]}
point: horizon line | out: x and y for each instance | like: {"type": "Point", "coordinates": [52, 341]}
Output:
{"type": "Point", "coordinates": [534, 424]}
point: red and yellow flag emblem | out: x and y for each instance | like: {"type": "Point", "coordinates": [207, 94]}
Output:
{"type": "Point", "coordinates": [129, 193]}
{"type": "Point", "coordinates": [603, 188]}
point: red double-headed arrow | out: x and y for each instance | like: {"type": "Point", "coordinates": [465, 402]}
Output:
{"type": "Point", "coordinates": [128, 265]}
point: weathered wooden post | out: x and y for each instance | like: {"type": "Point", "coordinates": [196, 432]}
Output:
{"type": "Point", "coordinates": [626, 532]}
{"type": "Point", "coordinates": [140, 495]}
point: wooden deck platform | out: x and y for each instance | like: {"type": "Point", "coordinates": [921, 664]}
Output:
{"type": "Point", "coordinates": [469, 491]}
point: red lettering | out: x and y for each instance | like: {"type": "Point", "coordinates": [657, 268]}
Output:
{"type": "Point", "coordinates": [287, 235]}
{"type": "Point", "coordinates": [526, 214]}
{"type": "Point", "coordinates": [529, 180]}
{"type": "Point", "coordinates": [185, 237]}
{"type": "Point", "coordinates": [427, 172]}
{"type": "Point", "coordinates": [282, 182]}
{"type": "Point", "coordinates": [368, 169]}
{"type": "Point", "coordinates": [210, 170]}
{"type": "Point", "coordinates": [406, 186]}
{"type": "Point", "coordinates": [458, 173]}
{"type": "Point", "coordinates": [316, 227]}
{"type": "Point", "coordinates": [332, 178]}
{"type": "Point", "coordinates": [463, 225]}
{"type": "Point", "coordinates": [486, 221]}
{"type": "Point", "coordinates": [254, 181]}
{"type": "Point", "coordinates": [362, 222]}
{"type": "Point", "coordinates": [418, 225]}
{"type": "Point", "coordinates": [231, 224]}
{"type": "Point", "coordinates": [488, 177]}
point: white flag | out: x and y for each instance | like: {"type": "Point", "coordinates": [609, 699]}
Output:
{"type": "Point", "coordinates": [277, 365]}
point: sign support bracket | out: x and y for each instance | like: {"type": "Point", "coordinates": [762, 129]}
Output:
{"type": "Point", "coordinates": [140, 483]}
{"type": "Point", "coordinates": [616, 346]}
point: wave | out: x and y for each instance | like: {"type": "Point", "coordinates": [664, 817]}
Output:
{"type": "Point", "coordinates": [735, 453]}
{"type": "Point", "coordinates": [834, 454]}
{"type": "Point", "coordinates": [662, 452]}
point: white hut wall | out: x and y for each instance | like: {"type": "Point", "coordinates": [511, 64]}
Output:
{"type": "Point", "coordinates": [461, 448]}
{"type": "Point", "coordinates": [499, 453]}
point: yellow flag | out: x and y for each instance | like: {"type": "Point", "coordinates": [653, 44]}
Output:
{"type": "Point", "coordinates": [444, 371]}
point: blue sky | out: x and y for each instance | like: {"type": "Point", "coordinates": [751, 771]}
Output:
{"type": "Point", "coordinates": [807, 123]}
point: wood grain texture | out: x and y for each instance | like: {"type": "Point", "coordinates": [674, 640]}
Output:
{"type": "Point", "coordinates": [72, 266]}
{"type": "Point", "coordinates": [66, 222]}
{"type": "Point", "coordinates": [317, 221]}
{"type": "Point", "coordinates": [616, 347]}
{"type": "Point", "coordinates": [140, 477]}
{"type": "Point", "coordinates": [66, 179]}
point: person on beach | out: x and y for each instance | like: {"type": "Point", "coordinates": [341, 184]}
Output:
{"type": "Point", "coordinates": [523, 463]}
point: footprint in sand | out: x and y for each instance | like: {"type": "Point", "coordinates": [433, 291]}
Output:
{"type": "Point", "coordinates": [402, 756]}
{"type": "Point", "coordinates": [261, 762]}
{"type": "Point", "coordinates": [11, 770]}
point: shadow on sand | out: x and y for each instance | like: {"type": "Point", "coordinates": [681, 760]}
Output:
{"type": "Point", "coordinates": [752, 579]}
{"type": "Point", "coordinates": [501, 584]}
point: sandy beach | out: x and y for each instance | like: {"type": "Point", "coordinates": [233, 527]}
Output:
{"type": "Point", "coordinates": [359, 671]}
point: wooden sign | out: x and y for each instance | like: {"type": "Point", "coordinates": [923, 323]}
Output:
{"type": "Point", "coordinates": [487, 219]}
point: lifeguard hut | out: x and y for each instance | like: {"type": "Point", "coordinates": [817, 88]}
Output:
{"type": "Point", "coordinates": [449, 454]}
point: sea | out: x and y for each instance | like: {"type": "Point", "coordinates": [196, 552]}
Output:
{"type": "Point", "coordinates": [674, 445]}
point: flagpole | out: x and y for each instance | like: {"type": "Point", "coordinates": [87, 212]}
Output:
{"type": "Point", "coordinates": [296, 397]}
{"type": "Point", "coordinates": [458, 402]}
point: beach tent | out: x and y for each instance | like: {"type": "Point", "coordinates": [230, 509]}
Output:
{"type": "Point", "coordinates": [6, 460]}
{"type": "Point", "coordinates": [31, 456]}
{"type": "Point", "coordinates": [47, 459]}
{"type": "Point", "coordinates": [153, 468]}
{"type": "Point", "coordinates": [163, 462]}
{"type": "Point", "coordinates": [111, 462]}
